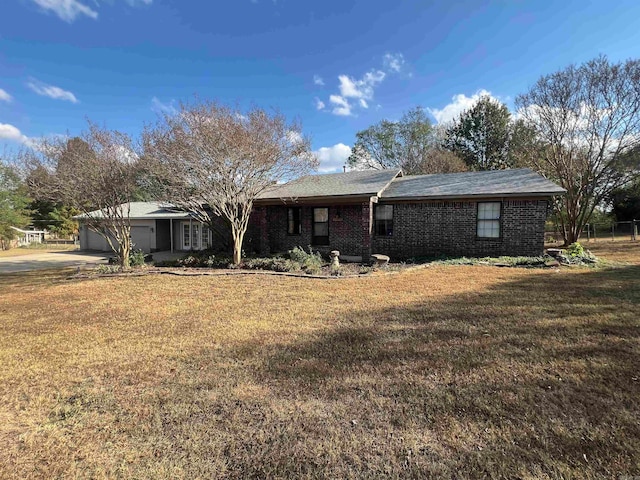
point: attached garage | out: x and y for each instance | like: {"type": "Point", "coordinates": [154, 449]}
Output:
{"type": "Point", "coordinates": [151, 228]}
{"type": "Point", "coordinates": [90, 240]}
{"type": "Point", "coordinates": [141, 238]}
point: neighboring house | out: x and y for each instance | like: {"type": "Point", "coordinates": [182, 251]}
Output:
{"type": "Point", "coordinates": [499, 212]}
{"type": "Point", "coordinates": [27, 237]}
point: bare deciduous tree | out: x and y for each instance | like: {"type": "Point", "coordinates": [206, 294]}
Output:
{"type": "Point", "coordinates": [210, 159]}
{"type": "Point", "coordinates": [95, 173]}
{"type": "Point", "coordinates": [586, 119]}
{"type": "Point", "coordinates": [439, 160]}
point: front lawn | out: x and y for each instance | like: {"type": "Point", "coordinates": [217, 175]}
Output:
{"type": "Point", "coordinates": [40, 248]}
{"type": "Point", "coordinates": [442, 372]}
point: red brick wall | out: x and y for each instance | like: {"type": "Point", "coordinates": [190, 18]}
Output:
{"type": "Point", "coordinates": [449, 228]}
{"type": "Point", "coordinates": [420, 229]}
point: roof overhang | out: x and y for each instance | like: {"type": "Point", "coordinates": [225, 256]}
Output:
{"type": "Point", "coordinates": [474, 197]}
{"type": "Point", "coordinates": [319, 200]}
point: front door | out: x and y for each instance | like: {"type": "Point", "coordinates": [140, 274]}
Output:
{"type": "Point", "coordinates": [186, 236]}
{"type": "Point", "coordinates": [195, 236]}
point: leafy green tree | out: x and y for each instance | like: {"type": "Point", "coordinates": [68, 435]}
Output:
{"type": "Point", "coordinates": [625, 202]}
{"type": "Point", "coordinates": [481, 136]}
{"type": "Point", "coordinates": [54, 217]}
{"type": "Point", "coordinates": [410, 144]}
{"type": "Point", "coordinates": [14, 203]}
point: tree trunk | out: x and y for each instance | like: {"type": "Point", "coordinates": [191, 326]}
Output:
{"type": "Point", "coordinates": [125, 250]}
{"type": "Point", "coordinates": [238, 237]}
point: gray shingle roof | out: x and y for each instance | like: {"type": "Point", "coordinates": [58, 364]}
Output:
{"type": "Point", "coordinates": [147, 210]}
{"type": "Point", "coordinates": [472, 184]}
{"type": "Point", "coordinates": [357, 183]}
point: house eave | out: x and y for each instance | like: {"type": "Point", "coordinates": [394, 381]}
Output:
{"type": "Point", "coordinates": [536, 195]}
{"type": "Point", "coordinates": [317, 200]}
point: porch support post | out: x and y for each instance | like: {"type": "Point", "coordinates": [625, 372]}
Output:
{"type": "Point", "coordinates": [367, 228]}
{"type": "Point", "coordinates": [190, 234]}
{"type": "Point", "coordinates": [171, 233]}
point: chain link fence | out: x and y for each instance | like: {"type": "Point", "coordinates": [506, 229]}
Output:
{"type": "Point", "coordinates": [594, 232]}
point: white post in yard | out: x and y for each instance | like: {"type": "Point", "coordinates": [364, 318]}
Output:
{"type": "Point", "coordinates": [171, 233]}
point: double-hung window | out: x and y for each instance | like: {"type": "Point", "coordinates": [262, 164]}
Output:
{"type": "Point", "coordinates": [383, 220]}
{"type": "Point", "coordinates": [489, 219]}
{"type": "Point", "coordinates": [320, 226]}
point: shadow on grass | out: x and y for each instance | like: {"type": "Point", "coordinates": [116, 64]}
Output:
{"type": "Point", "coordinates": [532, 378]}
{"type": "Point", "coordinates": [538, 377]}
{"type": "Point", "coordinates": [35, 278]}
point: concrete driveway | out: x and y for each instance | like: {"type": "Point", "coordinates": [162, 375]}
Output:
{"type": "Point", "coordinates": [47, 260]}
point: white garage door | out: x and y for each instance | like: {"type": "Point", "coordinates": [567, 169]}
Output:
{"type": "Point", "coordinates": [141, 238]}
{"type": "Point", "coordinates": [95, 241]}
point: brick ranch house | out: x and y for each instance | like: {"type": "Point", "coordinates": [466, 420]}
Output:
{"type": "Point", "coordinates": [487, 213]}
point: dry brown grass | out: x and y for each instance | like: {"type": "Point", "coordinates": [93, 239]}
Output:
{"type": "Point", "coordinates": [19, 252]}
{"type": "Point", "coordinates": [445, 372]}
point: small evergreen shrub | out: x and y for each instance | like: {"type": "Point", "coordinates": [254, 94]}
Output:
{"type": "Point", "coordinates": [309, 262]}
{"type": "Point", "coordinates": [136, 258]}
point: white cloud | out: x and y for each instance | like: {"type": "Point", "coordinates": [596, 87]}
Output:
{"type": "Point", "coordinates": [332, 159]}
{"type": "Point", "coordinates": [9, 132]}
{"type": "Point", "coordinates": [51, 91]}
{"type": "Point", "coordinates": [363, 88]}
{"type": "Point", "coordinates": [67, 10]}
{"type": "Point", "coordinates": [4, 96]}
{"type": "Point", "coordinates": [341, 106]}
{"type": "Point", "coordinates": [393, 62]}
{"type": "Point", "coordinates": [319, 104]}
{"type": "Point", "coordinates": [317, 80]}
{"type": "Point", "coordinates": [161, 107]}
{"type": "Point", "coordinates": [358, 92]}
{"type": "Point", "coordinates": [459, 103]}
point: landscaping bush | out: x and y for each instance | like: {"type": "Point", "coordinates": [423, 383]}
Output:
{"type": "Point", "coordinates": [203, 259]}
{"type": "Point", "coordinates": [309, 262]}
{"type": "Point", "coordinates": [576, 254]}
{"type": "Point", "coordinates": [575, 250]}
{"type": "Point", "coordinates": [275, 264]}
{"type": "Point", "coordinates": [105, 269]}
{"type": "Point", "coordinates": [136, 258]}
{"type": "Point", "coordinates": [509, 261]}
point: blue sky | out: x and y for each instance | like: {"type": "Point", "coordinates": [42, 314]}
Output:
{"type": "Point", "coordinates": [338, 66]}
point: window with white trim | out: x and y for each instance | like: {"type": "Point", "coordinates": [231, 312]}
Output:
{"type": "Point", "coordinates": [489, 219]}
